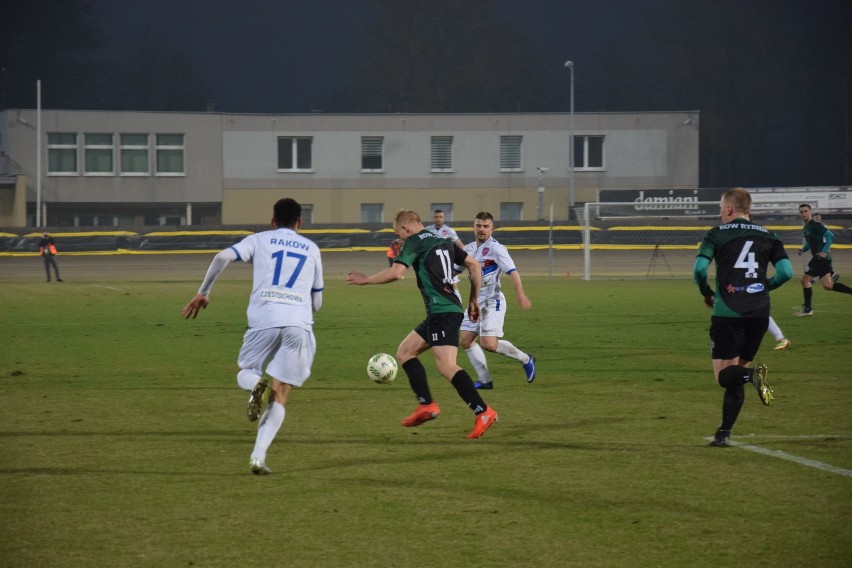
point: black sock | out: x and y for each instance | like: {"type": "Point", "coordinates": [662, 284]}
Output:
{"type": "Point", "coordinates": [734, 375]}
{"type": "Point", "coordinates": [468, 393]}
{"type": "Point", "coordinates": [417, 379]}
{"type": "Point", "coordinates": [838, 287]}
{"type": "Point", "coordinates": [809, 294]}
{"type": "Point", "coordinates": [731, 405]}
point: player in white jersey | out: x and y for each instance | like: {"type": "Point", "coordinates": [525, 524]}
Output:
{"type": "Point", "coordinates": [287, 289]}
{"type": "Point", "coordinates": [495, 261]}
{"type": "Point", "coordinates": [442, 230]}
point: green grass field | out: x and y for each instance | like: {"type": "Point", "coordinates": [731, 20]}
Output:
{"type": "Point", "coordinates": [124, 442]}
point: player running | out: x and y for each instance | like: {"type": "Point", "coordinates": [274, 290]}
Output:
{"type": "Point", "coordinates": [743, 252]}
{"type": "Point", "coordinates": [818, 239]}
{"type": "Point", "coordinates": [495, 261]}
{"type": "Point", "coordinates": [432, 259]}
{"type": "Point", "coordinates": [287, 289]}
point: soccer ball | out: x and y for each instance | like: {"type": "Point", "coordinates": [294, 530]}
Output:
{"type": "Point", "coordinates": [381, 368]}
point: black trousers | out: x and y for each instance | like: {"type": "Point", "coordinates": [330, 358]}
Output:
{"type": "Point", "coordinates": [49, 260]}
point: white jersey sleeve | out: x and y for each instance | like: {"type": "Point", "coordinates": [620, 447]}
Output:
{"type": "Point", "coordinates": [217, 267]}
{"type": "Point", "coordinates": [287, 271]}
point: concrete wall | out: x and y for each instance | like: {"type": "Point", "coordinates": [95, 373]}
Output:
{"type": "Point", "coordinates": [231, 161]}
{"type": "Point", "coordinates": [202, 180]}
{"type": "Point", "coordinates": [643, 150]}
{"type": "Point", "coordinates": [13, 202]}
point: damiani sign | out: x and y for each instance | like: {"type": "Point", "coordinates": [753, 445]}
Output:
{"type": "Point", "coordinates": [685, 201]}
{"type": "Point", "coordinates": [664, 201]}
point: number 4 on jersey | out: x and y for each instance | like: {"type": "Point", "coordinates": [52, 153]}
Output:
{"type": "Point", "coordinates": [746, 260]}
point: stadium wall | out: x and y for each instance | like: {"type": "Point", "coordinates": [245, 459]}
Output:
{"type": "Point", "coordinates": [620, 234]}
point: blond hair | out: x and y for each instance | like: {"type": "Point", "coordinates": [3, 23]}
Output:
{"type": "Point", "coordinates": [404, 216]}
{"type": "Point", "coordinates": [739, 198]}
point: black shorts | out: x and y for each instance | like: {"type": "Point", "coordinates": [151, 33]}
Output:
{"type": "Point", "coordinates": [736, 337]}
{"type": "Point", "coordinates": [818, 267]}
{"type": "Point", "coordinates": [440, 329]}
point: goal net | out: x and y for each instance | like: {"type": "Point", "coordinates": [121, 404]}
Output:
{"type": "Point", "coordinates": [659, 240]}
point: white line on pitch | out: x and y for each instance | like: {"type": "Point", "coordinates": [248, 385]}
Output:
{"type": "Point", "coordinates": [790, 457]}
{"type": "Point", "coordinates": [803, 437]}
{"type": "Point", "coordinates": [107, 287]}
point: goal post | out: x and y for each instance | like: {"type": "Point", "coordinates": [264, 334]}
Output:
{"type": "Point", "coordinates": [629, 240]}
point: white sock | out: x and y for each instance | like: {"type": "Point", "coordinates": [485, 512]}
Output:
{"type": "Point", "coordinates": [775, 330]}
{"type": "Point", "coordinates": [267, 428]}
{"type": "Point", "coordinates": [247, 379]}
{"type": "Point", "coordinates": [477, 359]}
{"type": "Point", "coordinates": [508, 350]}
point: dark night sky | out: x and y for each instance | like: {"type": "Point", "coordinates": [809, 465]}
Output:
{"type": "Point", "coordinates": [257, 55]}
{"type": "Point", "coordinates": [271, 56]}
{"type": "Point", "coordinates": [287, 55]}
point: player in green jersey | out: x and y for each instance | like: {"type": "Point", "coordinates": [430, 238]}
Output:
{"type": "Point", "coordinates": [432, 259]}
{"type": "Point", "coordinates": [743, 252]}
{"type": "Point", "coordinates": [818, 239]}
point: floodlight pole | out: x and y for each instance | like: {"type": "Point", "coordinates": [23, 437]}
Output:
{"type": "Point", "coordinates": [38, 153]}
{"type": "Point", "coordinates": [570, 66]}
{"type": "Point", "coordinates": [550, 245]}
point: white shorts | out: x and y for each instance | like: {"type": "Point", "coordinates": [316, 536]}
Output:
{"type": "Point", "coordinates": [492, 313]}
{"type": "Point", "coordinates": [287, 352]}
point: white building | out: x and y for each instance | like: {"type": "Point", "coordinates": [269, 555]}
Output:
{"type": "Point", "coordinates": [113, 169]}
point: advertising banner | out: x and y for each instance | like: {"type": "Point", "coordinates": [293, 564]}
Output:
{"type": "Point", "coordinates": [666, 202]}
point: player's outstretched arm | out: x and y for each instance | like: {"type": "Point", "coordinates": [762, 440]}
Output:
{"type": "Point", "coordinates": [220, 262]}
{"type": "Point", "coordinates": [390, 274]}
{"type": "Point", "coordinates": [195, 305]}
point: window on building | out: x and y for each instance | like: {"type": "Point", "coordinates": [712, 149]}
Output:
{"type": "Point", "coordinates": [62, 153]}
{"type": "Point", "coordinates": [442, 153]}
{"type": "Point", "coordinates": [98, 154]}
{"type": "Point", "coordinates": [295, 153]}
{"type": "Point", "coordinates": [372, 148]}
{"type": "Point", "coordinates": [59, 220]}
{"type": "Point", "coordinates": [307, 214]}
{"type": "Point", "coordinates": [510, 153]}
{"type": "Point", "coordinates": [371, 212]}
{"type": "Point", "coordinates": [447, 208]}
{"type": "Point", "coordinates": [170, 158]}
{"type": "Point", "coordinates": [134, 154]}
{"type": "Point", "coordinates": [511, 211]}
{"type": "Point", "coordinates": [589, 152]}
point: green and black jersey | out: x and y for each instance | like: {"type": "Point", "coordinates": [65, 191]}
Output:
{"type": "Point", "coordinates": [432, 259]}
{"type": "Point", "coordinates": [743, 252]}
{"type": "Point", "coordinates": [816, 234]}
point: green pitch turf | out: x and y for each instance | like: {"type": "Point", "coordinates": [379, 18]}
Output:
{"type": "Point", "coordinates": [124, 442]}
